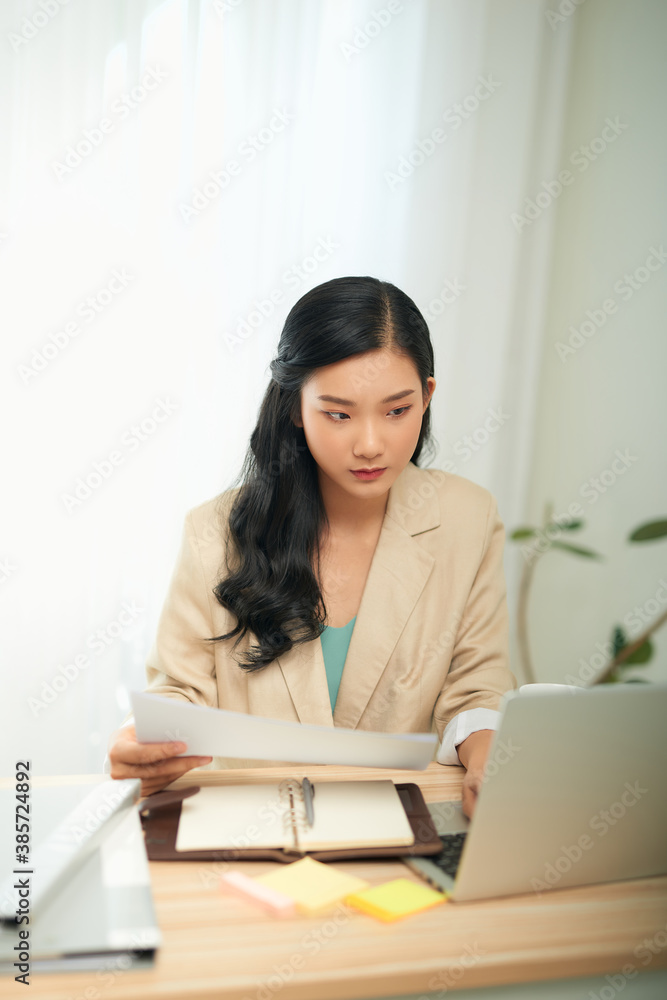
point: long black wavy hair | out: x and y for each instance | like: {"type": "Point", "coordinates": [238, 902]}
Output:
{"type": "Point", "coordinates": [276, 519]}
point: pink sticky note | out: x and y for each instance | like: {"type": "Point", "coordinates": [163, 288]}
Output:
{"type": "Point", "coordinates": [272, 900]}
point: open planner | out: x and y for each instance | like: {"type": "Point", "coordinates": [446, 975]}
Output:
{"type": "Point", "coordinates": [285, 820]}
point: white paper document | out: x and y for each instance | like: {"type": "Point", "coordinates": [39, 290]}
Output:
{"type": "Point", "coordinates": [215, 732]}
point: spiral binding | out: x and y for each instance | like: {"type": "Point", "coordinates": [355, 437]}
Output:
{"type": "Point", "coordinates": [294, 818]}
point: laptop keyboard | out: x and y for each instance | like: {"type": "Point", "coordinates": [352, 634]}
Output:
{"type": "Point", "coordinates": [449, 856]}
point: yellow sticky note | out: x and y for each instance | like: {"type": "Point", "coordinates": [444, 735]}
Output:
{"type": "Point", "coordinates": [312, 885]}
{"type": "Point", "coordinates": [396, 899]}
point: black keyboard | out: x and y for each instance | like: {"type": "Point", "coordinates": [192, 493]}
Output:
{"type": "Point", "coordinates": [449, 856]}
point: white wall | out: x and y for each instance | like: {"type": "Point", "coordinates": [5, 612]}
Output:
{"type": "Point", "coordinates": [212, 81]}
{"type": "Point", "coordinates": [607, 396]}
{"type": "Point", "coordinates": [325, 176]}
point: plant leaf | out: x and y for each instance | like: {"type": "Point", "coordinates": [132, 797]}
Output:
{"type": "Point", "coordinates": [520, 533]}
{"type": "Point", "coordinates": [576, 550]}
{"type": "Point", "coordinates": [618, 640]}
{"type": "Point", "coordinates": [637, 680]}
{"type": "Point", "coordinates": [641, 655]}
{"type": "Point", "coordinates": [570, 525]}
{"type": "Point", "coordinates": [647, 532]}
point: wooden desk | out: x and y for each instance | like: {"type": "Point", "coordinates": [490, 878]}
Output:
{"type": "Point", "coordinates": [217, 945]}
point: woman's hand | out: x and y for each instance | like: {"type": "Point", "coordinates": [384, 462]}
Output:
{"type": "Point", "coordinates": [155, 763]}
{"type": "Point", "coordinates": [472, 753]}
{"type": "Point", "coordinates": [472, 782]}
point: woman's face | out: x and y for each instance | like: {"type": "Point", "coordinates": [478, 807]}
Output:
{"type": "Point", "coordinates": [364, 412]}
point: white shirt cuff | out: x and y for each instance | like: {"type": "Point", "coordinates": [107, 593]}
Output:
{"type": "Point", "coordinates": [460, 727]}
{"type": "Point", "coordinates": [106, 766]}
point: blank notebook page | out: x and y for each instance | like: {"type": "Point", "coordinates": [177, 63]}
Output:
{"type": "Point", "coordinates": [357, 814]}
{"type": "Point", "coordinates": [347, 814]}
{"type": "Point", "coordinates": [232, 816]}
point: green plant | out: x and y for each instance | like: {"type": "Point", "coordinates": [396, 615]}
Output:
{"type": "Point", "coordinates": [541, 540]}
{"type": "Point", "coordinates": [536, 543]}
{"type": "Point", "coordinates": [640, 651]}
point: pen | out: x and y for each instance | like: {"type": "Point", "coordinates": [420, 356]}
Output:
{"type": "Point", "coordinates": [308, 795]}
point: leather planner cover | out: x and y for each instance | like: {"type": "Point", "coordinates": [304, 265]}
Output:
{"type": "Point", "coordinates": [160, 815]}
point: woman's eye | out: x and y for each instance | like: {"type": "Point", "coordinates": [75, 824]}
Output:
{"type": "Point", "coordinates": [395, 413]}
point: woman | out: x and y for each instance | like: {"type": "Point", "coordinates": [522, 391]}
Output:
{"type": "Point", "coordinates": [336, 548]}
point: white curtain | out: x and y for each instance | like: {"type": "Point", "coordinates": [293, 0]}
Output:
{"type": "Point", "coordinates": [175, 175]}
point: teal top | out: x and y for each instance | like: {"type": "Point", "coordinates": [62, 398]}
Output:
{"type": "Point", "coordinates": [335, 642]}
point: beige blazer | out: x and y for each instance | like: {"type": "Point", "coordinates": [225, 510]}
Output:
{"type": "Point", "coordinates": [430, 639]}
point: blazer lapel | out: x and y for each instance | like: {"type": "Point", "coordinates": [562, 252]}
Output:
{"type": "Point", "coordinates": [397, 576]}
{"type": "Point", "coordinates": [398, 572]}
{"type": "Point", "coordinates": [306, 678]}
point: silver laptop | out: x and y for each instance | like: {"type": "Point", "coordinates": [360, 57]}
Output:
{"type": "Point", "coordinates": [100, 916]}
{"type": "Point", "coordinates": [575, 793]}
